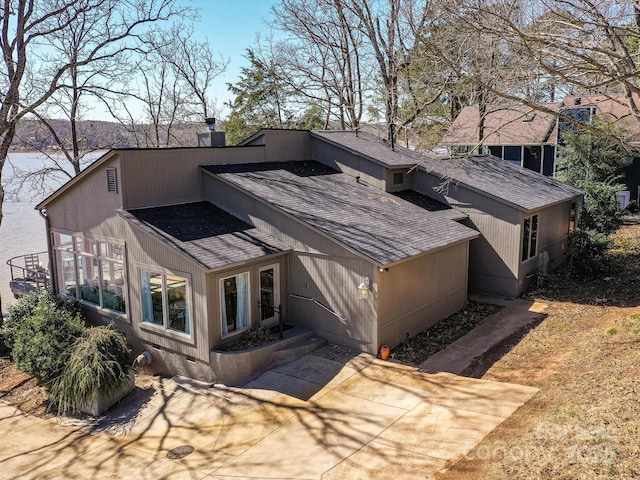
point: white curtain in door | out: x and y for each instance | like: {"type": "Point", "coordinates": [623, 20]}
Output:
{"type": "Point", "coordinates": [243, 300]}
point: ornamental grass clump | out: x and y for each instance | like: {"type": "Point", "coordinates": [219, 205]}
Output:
{"type": "Point", "coordinates": [99, 362]}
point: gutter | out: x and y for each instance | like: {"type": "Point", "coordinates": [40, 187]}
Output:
{"type": "Point", "coordinates": [52, 271]}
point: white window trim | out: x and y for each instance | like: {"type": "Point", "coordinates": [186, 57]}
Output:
{"type": "Point", "coordinates": [221, 297]}
{"type": "Point", "coordinates": [164, 328]}
{"type": "Point", "coordinates": [535, 254]}
{"type": "Point", "coordinates": [77, 253]}
{"type": "Point", "coordinates": [276, 287]}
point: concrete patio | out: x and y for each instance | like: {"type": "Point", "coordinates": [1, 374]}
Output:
{"type": "Point", "coordinates": [333, 414]}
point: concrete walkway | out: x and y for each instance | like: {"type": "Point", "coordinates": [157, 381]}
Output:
{"type": "Point", "coordinates": [516, 315]}
{"type": "Point", "coordinates": [333, 414]}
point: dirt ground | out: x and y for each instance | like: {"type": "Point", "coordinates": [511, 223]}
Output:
{"type": "Point", "coordinates": [585, 360]}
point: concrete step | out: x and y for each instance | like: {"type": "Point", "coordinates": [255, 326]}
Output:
{"type": "Point", "coordinates": [298, 349]}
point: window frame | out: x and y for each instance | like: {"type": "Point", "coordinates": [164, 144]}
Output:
{"type": "Point", "coordinates": [529, 237]}
{"type": "Point", "coordinates": [80, 254]}
{"type": "Point", "coordinates": [165, 328]}
{"type": "Point", "coordinates": [223, 329]}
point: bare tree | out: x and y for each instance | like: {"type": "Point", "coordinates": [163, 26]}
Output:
{"type": "Point", "coordinates": [322, 59]}
{"type": "Point", "coordinates": [171, 86]}
{"type": "Point", "coordinates": [581, 46]}
{"type": "Point", "coordinates": [32, 76]}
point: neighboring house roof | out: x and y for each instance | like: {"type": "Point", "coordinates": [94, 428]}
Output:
{"type": "Point", "coordinates": [615, 110]}
{"type": "Point", "coordinates": [512, 124]}
{"type": "Point", "coordinates": [366, 220]}
{"type": "Point", "coordinates": [205, 233]}
{"type": "Point", "coordinates": [505, 182]}
{"type": "Point", "coordinates": [503, 125]}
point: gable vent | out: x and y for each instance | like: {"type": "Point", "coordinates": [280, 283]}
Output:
{"type": "Point", "coordinates": [112, 181]}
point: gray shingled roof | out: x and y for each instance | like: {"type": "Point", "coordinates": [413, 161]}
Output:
{"type": "Point", "coordinates": [205, 233]}
{"type": "Point", "coordinates": [499, 179]}
{"type": "Point", "coordinates": [367, 145]}
{"type": "Point", "coordinates": [377, 225]}
{"type": "Point", "coordinates": [508, 183]}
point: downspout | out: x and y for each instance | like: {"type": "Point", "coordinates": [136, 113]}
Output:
{"type": "Point", "coordinates": [52, 271]}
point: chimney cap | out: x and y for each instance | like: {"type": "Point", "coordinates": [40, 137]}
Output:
{"type": "Point", "coordinates": [211, 123]}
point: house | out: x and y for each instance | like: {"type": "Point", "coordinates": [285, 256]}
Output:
{"type": "Point", "coordinates": [529, 138]}
{"type": "Point", "coordinates": [185, 249]}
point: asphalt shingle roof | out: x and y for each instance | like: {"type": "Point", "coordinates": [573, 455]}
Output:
{"type": "Point", "coordinates": [499, 179]}
{"type": "Point", "coordinates": [380, 226]}
{"type": "Point", "coordinates": [520, 187]}
{"type": "Point", "coordinates": [205, 233]}
{"type": "Point", "coordinates": [367, 145]}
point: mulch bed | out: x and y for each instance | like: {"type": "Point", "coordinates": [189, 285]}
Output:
{"type": "Point", "coordinates": [417, 349]}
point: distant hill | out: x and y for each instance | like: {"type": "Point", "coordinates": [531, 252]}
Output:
{"type": "Point", "coordinates": [33, 135]}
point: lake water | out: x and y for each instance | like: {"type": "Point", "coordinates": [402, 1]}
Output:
{"type": "Point", "coordinates": [23, 229]}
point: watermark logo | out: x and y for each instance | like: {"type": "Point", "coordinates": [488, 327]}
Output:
{"type": "Point", "coordinates": [593, 445]}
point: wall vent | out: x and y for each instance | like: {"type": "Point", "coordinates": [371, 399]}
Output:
{"type": "Point", "coordinates": [112, 180]}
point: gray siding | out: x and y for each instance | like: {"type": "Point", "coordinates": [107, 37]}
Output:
{"type": "Point", "coordinates": [214, 313]}
{"type": "Point", "coordinates": [495, 264]}
{"type": "Point", "coordinates": [417, 293]}
{"type": "Point", "coordinates": [553, 228]}
{"type": "Point", "coordinates": [97, 218]}
{"type": "Point", "coordinates": [369, 172]}
{"type": "Point", "coordinates": [168, 176]}
{"type": "Point", "coordinates": [494, 257]}
{"type": "Point", "coordinates": [318, 268]}
{"type": "Point", "coordinates": [90, 204]}
{"type": "Point", "coordinates": [286, 145]}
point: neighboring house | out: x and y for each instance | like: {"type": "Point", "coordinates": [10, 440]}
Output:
{"type": "Point", "coordinates": [185, 249]}
{"type": "Point", "coordinates": [529, 138]}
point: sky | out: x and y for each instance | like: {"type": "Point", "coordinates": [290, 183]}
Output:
{"type": "Point", "coordinates": [230, 26]}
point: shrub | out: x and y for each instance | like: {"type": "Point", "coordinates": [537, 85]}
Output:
{"type": "Point", "coordinates": [40, 329]}
{"type": "Point", "coordinates": [99, 362]}
{"type": "Point", "coordinates": [588, 249]}
{"type": "Point", "coordinates": [254, 337]}
{"type": "Point", "coordinates": [26, 306]}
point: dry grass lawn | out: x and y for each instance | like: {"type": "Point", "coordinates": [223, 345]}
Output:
{"type": "Point", "coordinates": [585, 358]}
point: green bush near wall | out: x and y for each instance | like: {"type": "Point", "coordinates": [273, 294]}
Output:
{"type": "Point", "coordinates": [39, 330]}
{"type": "Point", "coordinates": [48, 339]}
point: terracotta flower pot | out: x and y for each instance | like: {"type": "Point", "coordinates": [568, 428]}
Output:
{"type": "Point", "coordinates": [384, 352]}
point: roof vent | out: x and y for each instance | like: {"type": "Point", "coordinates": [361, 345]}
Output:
{"type": "Point", "coordinates": [112, 180]}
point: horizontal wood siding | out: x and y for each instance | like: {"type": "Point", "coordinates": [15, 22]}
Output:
{"type": "Point", "coordinates": [168, 176]}
{"type": "Point", "coordinates": [354, 165]}
{"type": "Point", "coordinates": [494, 257]}
{"type": "Point", "coordinates": [318, 268]}
{"type": "Point", "coordinates": [416, 294]}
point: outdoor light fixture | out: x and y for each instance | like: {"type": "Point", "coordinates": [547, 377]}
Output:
{"type": "Point", "coordinates": [363, 288]}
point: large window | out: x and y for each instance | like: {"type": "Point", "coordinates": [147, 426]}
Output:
{"type": "Point", "coordinates": [90, 270]}
{"type": "Point", "coordinates": [234, 303]}
{"type": "Point", "coordinates": [529, 237]}
{"type": "Point", "coordinates": [165, 301]}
